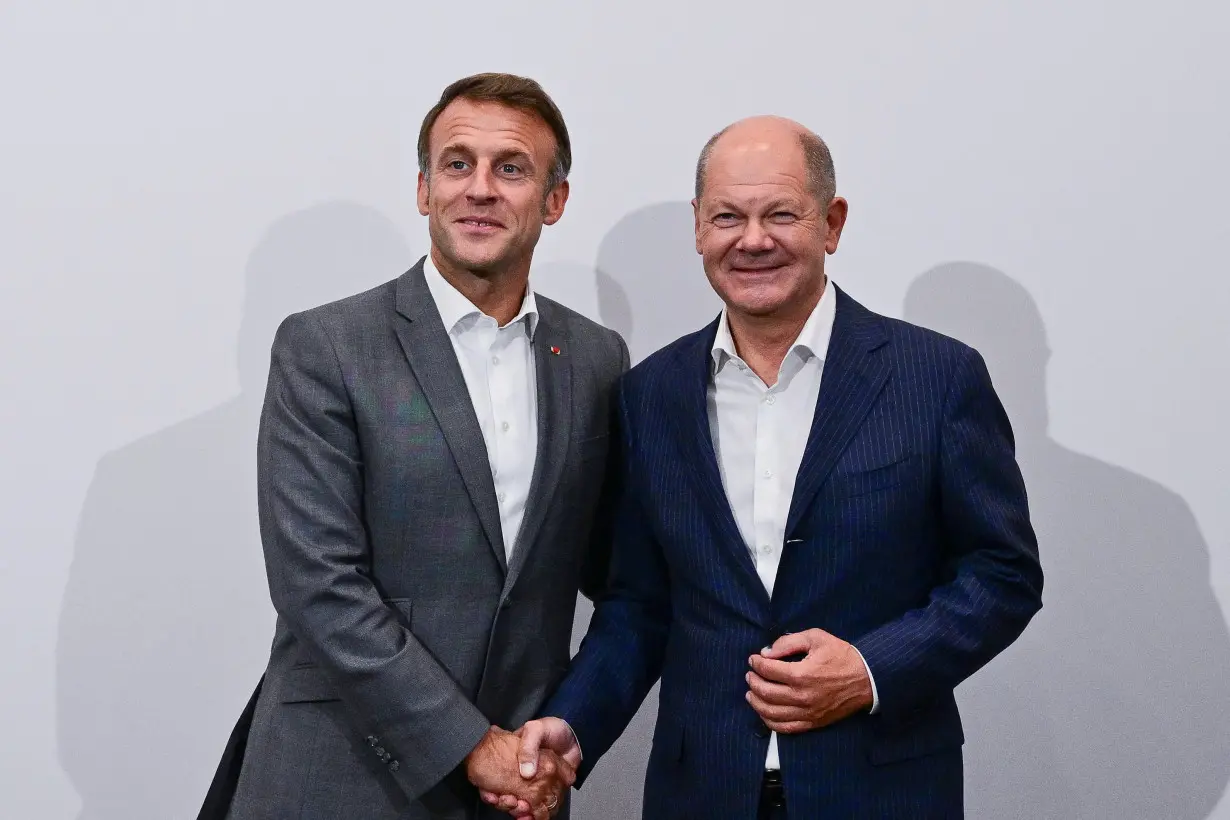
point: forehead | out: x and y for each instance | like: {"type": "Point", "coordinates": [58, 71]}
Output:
{"type": "Point", "coordinates": [761, 169]}
{"type": "Point", "coordinates": [490, 127]}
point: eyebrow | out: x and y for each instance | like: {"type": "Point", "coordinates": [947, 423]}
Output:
{"type": "Point", "coordinates": [515, 154]}
{"type": "Point", "coordinates": [773, 205]}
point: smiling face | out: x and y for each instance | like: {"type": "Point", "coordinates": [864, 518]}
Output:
{"type": "Point", "coordinates": [485, 194]}
{"type": "Point", "coordinates": [760, 229]}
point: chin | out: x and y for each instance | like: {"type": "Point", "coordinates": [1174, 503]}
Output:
{"type": "Point", "coordinates": [758, 303]}
{"type": "Point", "coordinates": [479, 259]}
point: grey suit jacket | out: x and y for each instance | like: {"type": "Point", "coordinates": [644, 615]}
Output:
{"type": "Point", "coordinates": [402, 631]}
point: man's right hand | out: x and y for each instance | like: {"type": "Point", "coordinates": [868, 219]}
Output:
{"type": "Point", "coordinates": [541, 741]}
{"type": "Point", "coordinates": [537, 791]}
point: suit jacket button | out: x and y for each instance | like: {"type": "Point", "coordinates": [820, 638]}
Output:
{"type": "Point", "coordinates": [394, 766]}
{"type": "Point", "coordinates": [372, 740]}
{"type": "Point", "coordinates": [380, 752]}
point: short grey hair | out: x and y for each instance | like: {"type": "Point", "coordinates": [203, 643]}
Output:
{"type": "Point", "coordinates": [821, 176]}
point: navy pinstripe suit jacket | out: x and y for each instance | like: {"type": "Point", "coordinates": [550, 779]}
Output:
{"type": "Point", "coordinates": [908, 536]}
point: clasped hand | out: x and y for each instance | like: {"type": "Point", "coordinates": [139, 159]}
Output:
{"type": "Point", "coordinates": [828, 683]}
{"type": "Point", "coordinates": [497, 766]}
{"type": "Point", "coordinates": [543, 743]}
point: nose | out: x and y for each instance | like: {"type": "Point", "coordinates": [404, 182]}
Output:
{"type": "Point", "coordinates": [755, 239]}
{"type": "Point", "coordinates": [482, 187]}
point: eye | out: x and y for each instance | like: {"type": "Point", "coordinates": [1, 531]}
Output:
{"type": "Point", "coordinates": [724, 219]}
{"type": "Point", "coordinates": [457, 165]}
{"type": "Point", "coordinates": [782, 217]}
{"type": "Point", "coordinates": [510, 169]}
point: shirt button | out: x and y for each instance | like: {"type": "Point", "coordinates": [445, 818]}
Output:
{"type": "Point", "coordinates": [765, 549]}
{"type": "Point", "coordinates": [495, 359]}
{"type": "Point", "coordinates": [768, 473]}
{"type": "Point", "coordinates": [502, 496]}
{"type": "Point", "coordinates": [504, 427]}
{"type": "Point", "coordinates": [770, 399]}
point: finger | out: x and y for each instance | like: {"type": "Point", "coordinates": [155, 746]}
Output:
{"type": "Point", "coordinates": [774, 712]}
{"type": "Point", "coordinates": [787, 672]}
{"type": "Point", "coordinates": [771, 692]}
{"type": "Point", "coordinates": [790, 727]}
{"type": "Point", "coordinates": [531, 739]}
{"type": "Point", "coordinates": [792, 643]}
{"type": "Point", "coordinates": [509, 802]}
{"type": "Point", "coordinates": [490, 798]}
{"type": "Point", "coordinates": [566, 770]}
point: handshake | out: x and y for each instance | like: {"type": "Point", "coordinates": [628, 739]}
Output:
{"type": "Point", "coordinates": [526, 772]}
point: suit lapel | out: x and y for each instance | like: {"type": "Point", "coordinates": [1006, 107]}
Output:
{"type": "Point", "coordinates": [854, 375]}
{"type": "Point", "coordinates": [430, 353]}
{"type": "Point", "coordinates": [692, 424]}
{"type": "Point", "coordinates": [553, 387]}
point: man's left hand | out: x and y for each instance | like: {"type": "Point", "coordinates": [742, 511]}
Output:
{"type": "Point", "coordinates": [828, 684]}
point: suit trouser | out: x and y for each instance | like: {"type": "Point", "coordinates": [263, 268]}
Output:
{"type": "Point", "coordinates": [772, 798]}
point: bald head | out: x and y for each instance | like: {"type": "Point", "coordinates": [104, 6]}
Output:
{"type": "Point", "coordinates": [772, 134]}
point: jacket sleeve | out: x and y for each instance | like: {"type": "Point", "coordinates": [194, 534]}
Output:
{"type": "Point", "coordinates": [622, 654]}
{"type": "Point", "coordinates": [317, 555]}
{"type": "Point", "coordinates": [995, 580]}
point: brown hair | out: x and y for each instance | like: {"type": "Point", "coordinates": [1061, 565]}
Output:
{"type": "Point", "coordinates": [521, 93]}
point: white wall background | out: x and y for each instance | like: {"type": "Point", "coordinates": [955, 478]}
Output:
{"type": "Point", "coordinates": [1047, 180]}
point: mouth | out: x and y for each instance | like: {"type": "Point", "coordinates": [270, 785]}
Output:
{"type": "Point", "coordinates": [480, 225]}
{"type": "Point", "coordinates": [755, 270]}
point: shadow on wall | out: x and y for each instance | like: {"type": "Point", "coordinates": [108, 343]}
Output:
{"type": "Point", "coordinates": [1113, 703]}
{"type": "Point", "coordinates": [651, 284]}
{"type": "Point", "coordinates": [652, 289]}
{"type": "Point", "coordinates": [166, 619]}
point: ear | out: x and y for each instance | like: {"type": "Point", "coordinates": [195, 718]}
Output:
{"type": "Point", "coordinates": [836, 219]}
{"type": "Point", "coordinates": [556, 200]}
{"type": "Point", "coordinates": [424, 194]}
{"type": "Point", "coordinates": [696, 222]}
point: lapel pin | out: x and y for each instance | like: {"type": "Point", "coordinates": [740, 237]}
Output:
{"type": "Point", "coordinates": [555, 350]}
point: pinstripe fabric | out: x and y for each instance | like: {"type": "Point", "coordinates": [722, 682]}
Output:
{"type": "Point", "coordinates": [908, 536]}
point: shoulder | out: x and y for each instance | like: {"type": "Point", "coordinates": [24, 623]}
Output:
{"type": "Point", "coordinates": [672, 365]}
{"type": "Point", "coordinates": [338, 326]}
{"type": "Point", "coordinates": [591, 339]}
{"type": "Point", "coordinates": [914, 348]}
{"type": "Point", "coordinates": [333, 322]}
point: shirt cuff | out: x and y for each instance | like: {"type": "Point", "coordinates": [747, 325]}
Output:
{"type": "Point", "coordinates": [875, 696]}
{"type": "Point", "coordinates": [578, 743]}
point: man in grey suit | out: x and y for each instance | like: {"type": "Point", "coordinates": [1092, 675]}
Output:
{"type": "Point", "coordinates": [432, 455]}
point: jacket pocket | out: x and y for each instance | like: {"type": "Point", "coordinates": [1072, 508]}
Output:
{"type": "Point", "coordinates": [307, 684]}
{"type": "Point", "coordinates": [932, 735]}
{"type": "Point", "coordinates": [877, 478]}
{"type": "Point", "coordinates": [668, 741]}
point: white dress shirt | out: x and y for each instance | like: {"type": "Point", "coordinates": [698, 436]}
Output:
{"type": "Point", "coordinates": [760, 432]}
{"type": "Point", "coordinates": [498, 366]}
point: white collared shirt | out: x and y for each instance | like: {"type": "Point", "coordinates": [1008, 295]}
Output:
{"type": "Point", "coordinates": [760, 433]}
{"type": "Point", "coordinates": [498, 366]}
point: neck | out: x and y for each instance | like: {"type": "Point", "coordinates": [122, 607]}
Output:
{"type": "Point", "coordinates": [497, 293]}
{"type": "Point", "coordinates": [763, 341]}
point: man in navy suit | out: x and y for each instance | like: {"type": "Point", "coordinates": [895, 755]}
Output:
{"type": "Point", "coordinates": [821, 530]}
